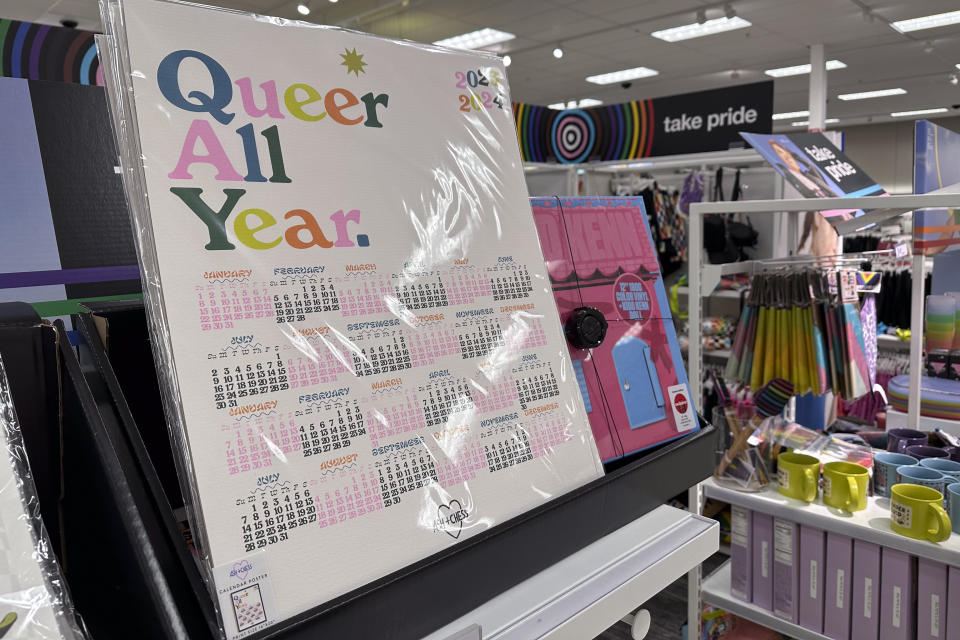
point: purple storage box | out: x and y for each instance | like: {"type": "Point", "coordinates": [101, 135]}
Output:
{"type": "Point", "coordinates": [898, 596]}
{"type": "Point", "coordinates": [810, 596]}
{"type": "Point", "coordinates": [865, 599]}
{"type": "Point", "coordinates": [953, 603]}
{"type": "Point", "coordinates": [786, 569]}
{"type": "Point", "coordinates": [741, 553]}
{"type": "Point", "coordinates": [931, 600]}
{"type": "Point", "coordinates": [838, 579]}
{"type": "Point", "coordinates": [763, 560]}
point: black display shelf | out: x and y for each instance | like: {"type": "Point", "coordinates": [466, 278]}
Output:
{"type": "Point", "coordinates": [119, 441]}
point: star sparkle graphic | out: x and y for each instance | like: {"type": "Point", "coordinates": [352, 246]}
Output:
{"type": "Point", "coordinates": [353, 61]}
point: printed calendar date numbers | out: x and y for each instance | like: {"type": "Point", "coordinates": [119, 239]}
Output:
{"type": "Point", "coordinates": [336, 429]}
{"type": "Point", "coordinates": [234, 383]}
{"type": "Point", "coordinates": [272, 516]}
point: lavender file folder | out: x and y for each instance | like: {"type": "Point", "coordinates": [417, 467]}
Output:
{"type": "Point", "coordinates": [865, 597]}
{"type": "Point", "coordinates": [810, 595]}
{"type": "Point", "coordinates": [838, 587]}
{"type": "Point", "coordinates": [786, 543]}
{"type": "Point", "coordinates": [763, 560]}
{"type": "Point", "coordinates": [741, 553]}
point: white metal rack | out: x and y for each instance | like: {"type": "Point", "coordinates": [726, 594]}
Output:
{"type": "Point", "coordinates": [704, 278]}
{"type": "Point", "coordinates": [589, 591]}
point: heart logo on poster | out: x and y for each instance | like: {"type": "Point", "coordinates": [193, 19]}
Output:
{"type": "Point", "coordinates": [450, 517]}
{"type": "Point", "coordinates": [241, 569]}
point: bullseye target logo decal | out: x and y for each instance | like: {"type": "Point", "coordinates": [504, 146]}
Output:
{"type": "Point", "coordinates": [680, 403]}
{"type": "Point", "coordinates": [573, 136]}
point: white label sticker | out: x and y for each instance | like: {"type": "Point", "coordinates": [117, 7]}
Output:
{"type": "Point", "coordinates": [740, 527]}
{"type": "Point", "coordinates": [868, 598]}
{"type": "Point", "coordinates": [813, 579]}
{"type": "Point", "coordinates": [765, 559]}
{"type": "Point", "coordinates": [935, 615]}
{"type": "Point", "coordinates": [783, 542]}
{"type": "Point", "coordinates": [783, 478]}
{"type": "Point", "coordinates": [827, 486]}
{"type": "Point", "coordinates": [900, 249]}
{"type": "Point", "coordinates": [901, 514]}
{"type": "Point", "coordinates": [245, 595]}
{"type": "Point", "coordinates": [841, 580]}
{"type": "Point", "coordinates": [682, 407]}
{"type": "Point", "coordinates": [897, 603]}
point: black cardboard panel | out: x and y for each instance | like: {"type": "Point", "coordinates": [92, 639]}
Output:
{"type": "Point", "coordinates": [28, 349]}
{"type": "Point", "coordinates": [126, 574]}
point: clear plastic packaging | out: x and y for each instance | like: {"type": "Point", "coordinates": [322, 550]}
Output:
{"type": "Point", "coordinates": [359, 350]}
{"type": "Point", "coordinates": [34, 600]}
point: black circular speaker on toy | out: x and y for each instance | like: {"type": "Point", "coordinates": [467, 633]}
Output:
{"type": "Point", "coordinates": [586, 328]}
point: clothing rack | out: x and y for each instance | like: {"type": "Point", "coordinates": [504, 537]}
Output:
{"type": "Point", "coordinates": [705, 277]}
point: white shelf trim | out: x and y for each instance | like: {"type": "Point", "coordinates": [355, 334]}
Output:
{"type": "Point", "coordinates": [584, 594]}
{"type": "Point", "coordinates": [871, 524]}
{"type": "Point", "coordinates": [716, 593]}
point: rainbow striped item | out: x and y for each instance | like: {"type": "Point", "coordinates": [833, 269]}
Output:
{"type": "Point", "coordinates": [956, 320]}
{"type": "Point", "coordinates": [773, 398]}
{"type": "Point", "coordinates": [941, 322]}
{"type": "Point", "coordinates": [939, 398]}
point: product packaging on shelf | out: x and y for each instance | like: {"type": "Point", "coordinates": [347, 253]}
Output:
{"type": "Point", "coordinates": [931, 600]}
{"type": "Point", "coordinates": [763, 560]}
{"type": "Point", "coordinates": [838, 587]}
{"type": "Point", "coordinates": [609, 290]}
{"type": "Point", "coordinates": [898, 598]}
{"type": "Point", "coordinates": [786, 577]}
{"type": "Point", "coordinates": [34, 600]}
{"type": "Point", "coordinates": [359, 352]}
{"type": "Point", "coordinates": [865, 613]}
{"type": "Point", "coordinates": [741, 553]}
{"type": "Point", "coordinates": [953, 603]}
{"type": "Point", "coordinates": [810, 594]}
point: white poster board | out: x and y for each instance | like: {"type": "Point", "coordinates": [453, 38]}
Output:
{"type": "Point", "coordinates": [362, 356]}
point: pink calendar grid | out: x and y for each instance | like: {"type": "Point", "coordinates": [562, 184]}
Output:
{"type": "Point", "coordinates": [499, 395]}
{"type": "Point", "coordinates": [247, 451]}
{"type": "Point", "coordinates": [364, 295]}
{"type": "Point", "coordinates": [303, 371]}
{"type": "Point", "coordinates": [522, 334]}
{"type": "Point", "coordinates": [429, 344]}
{"type": "Point", "coordinates": [347, 494]}
{"type": "Point", "coordinates": [222, 304]}
{"type": "Point", "coordinates": [249, 445]}
{"type": "Point", "coordinates": [547, 432]}
{"type": "Point", "coordinates": [392, 414]}
{"type": "Point", "coordinates": [466, 284]}
{"type": "Point", "coordinates": [461, 465]}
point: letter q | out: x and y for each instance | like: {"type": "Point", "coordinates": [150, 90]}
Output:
{"type": "Point", "coordinates": [168, 79]}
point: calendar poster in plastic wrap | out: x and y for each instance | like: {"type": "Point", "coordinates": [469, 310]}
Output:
{"type": "Point", "coordinates": [361, 356]}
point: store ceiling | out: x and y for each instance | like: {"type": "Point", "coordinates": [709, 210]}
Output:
{"type": "Point", "coordinates": [600, 36]}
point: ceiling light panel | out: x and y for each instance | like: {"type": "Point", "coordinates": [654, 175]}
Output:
{"type": "Point", "coordinates": [863, 95]}
{"type": "Point", "coordinates": [918, 112]}
{"type": "Point", "coordinates": [927, 22]}
{"type": "Point", "coordinates": [800, 69]}
{"type": "Point", "coordinates": [790, 115]}
{"type": "Point", "coordinates": [623, 75]}
{"type": "Point", "coordinates": [708, 28]}
{"type": "Point", "coordinates": [805, 123]}
{"type": "Point", "coordinates": [476, 39]}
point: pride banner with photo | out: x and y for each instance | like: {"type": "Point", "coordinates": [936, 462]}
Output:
{"type": "Point", "coordinates": [817, 169]}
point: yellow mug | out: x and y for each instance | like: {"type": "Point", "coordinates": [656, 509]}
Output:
{"type": "Point", "coordinates": [798, 476]}
{"type": "Point", "coordinates": [845, 486]}
{"type": "Point", "coordinates": [916, 512]}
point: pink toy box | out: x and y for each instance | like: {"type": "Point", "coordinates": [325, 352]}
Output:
{"type": "Point", "coordinates": [612, 303]}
